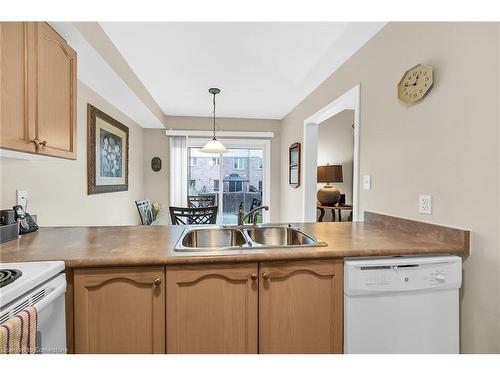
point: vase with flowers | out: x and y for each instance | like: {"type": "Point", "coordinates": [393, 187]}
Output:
{"type": "Point", "coordinates": [155, 210]}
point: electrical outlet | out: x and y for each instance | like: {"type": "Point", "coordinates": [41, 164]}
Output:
{"type": "Point", "coordinates": [425, 204]}
{"type": "Point", "coordinates": [22, 198]}
{"type": "Point", "coordinates": [367, 182]}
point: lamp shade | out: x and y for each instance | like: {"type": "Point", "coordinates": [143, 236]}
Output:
{"type": "Point", "coordinates": [214, 147]}
{"type": "Point", "coordinates": [330, 173]}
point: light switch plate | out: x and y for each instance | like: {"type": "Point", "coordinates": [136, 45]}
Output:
{"type": "Point", "coordinates": [22, 198]}
{"type": "Point", "coordinates": [367, 182]}
{"type": "Point", "coordinates": [425, 204]}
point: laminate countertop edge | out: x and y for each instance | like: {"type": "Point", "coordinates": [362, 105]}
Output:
{"type": "Point", "coordinates": [379, 235]}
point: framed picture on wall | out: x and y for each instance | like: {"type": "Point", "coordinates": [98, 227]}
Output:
{"type": "Point", "coordinates": [107, 153]}
{"type": "Point", "coordinates": [294, 165]}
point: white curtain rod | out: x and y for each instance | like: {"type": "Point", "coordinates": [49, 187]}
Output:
{"type": "Point", "coordinates": [222, 134]}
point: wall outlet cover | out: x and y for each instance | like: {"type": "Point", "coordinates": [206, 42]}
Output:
{"type": "Point", "coordinates": [22, 198]}
{"type": "Point", "coordinates": [425, 204]}
{"type": "Point", "coordinates": [367, 182]}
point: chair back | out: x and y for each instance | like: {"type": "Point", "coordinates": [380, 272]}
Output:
{"type": "Point", "coordinates": [195, 201]}
{"type": "Point", "coordinates": [193, 216]}
{"type": "Point", "coordinates": [145, 212]}
{"type": "Point", "coordinates": [255, 203]}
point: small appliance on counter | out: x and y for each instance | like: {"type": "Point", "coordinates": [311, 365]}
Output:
{"type": "Point", "coordinates": [26, 222]}
{"type": "Point", "coordinates": [9, 232]}
{"type": "Point", "coordinates": [7, 217]}
{"type": "Point", "coordinates": [9, 228]}
{"type": "Point", "coordinates": [14, 222]}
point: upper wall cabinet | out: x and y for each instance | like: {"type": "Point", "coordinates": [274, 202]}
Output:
{"type": "Point", "coordinates": [38, 90]}
{"type": "Point", "coordinates": [16, 123]}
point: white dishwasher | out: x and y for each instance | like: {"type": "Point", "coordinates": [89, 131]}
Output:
{"type": "Point", "coordinates": [402, 304]}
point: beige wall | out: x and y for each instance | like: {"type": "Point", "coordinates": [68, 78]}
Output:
{"type": "Point", "coordinates": [156, 184]}
{"type": "Point", "coordinates": [447, 146]}
{"type": "Point", "coordinates": [336, 146]}
{"type": "Point", "coordinates": [57, 189]}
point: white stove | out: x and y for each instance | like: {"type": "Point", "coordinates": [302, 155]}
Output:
{"type": "Point", "coordinates": [42, 285]}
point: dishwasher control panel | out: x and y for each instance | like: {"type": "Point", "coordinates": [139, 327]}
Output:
{"type": "Point", "coordinates": [380, 275]}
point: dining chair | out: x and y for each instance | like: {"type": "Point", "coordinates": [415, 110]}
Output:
{"type": "Point", "coordinates": [255, 203]}
{"type": "Point", "coordinates": [193, 216]}
{"type": "Point", "coordinates": [145, 212]}
{"type": "Point", "coordinates": [195, 201]}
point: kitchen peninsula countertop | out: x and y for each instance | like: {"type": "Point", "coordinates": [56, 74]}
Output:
{"type": "Point", "coordinates": [154, 245]}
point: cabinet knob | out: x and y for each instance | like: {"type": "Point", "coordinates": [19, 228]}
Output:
{"type": "Point", "coordinates": [266, 275]}
{"type": "Point", "coordinates": [157, 282]}
{"type": "Point", "coordinates": [254, 276]}
{"type": "Point", "coordinates": [42, 143]}
{"type": "Point", "coordinates": [34, 141]}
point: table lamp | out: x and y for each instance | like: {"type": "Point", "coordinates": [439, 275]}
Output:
{"type": "Point", "coordinates": [328, 195]}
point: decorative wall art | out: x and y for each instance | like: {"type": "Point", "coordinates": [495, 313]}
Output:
{"type": "Point", "coordinates": [294, 165]}
{"type": "Point", "coordinates": [107, 153]}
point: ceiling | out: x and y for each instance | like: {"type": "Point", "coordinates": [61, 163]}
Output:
{"type": "Point", "coordinates": [263, 69]}
{"type": "Point", "coordinates": [95, 72]}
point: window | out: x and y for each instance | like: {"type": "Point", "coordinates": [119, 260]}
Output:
{"type": "Point", "coordinates": [259, 164]}
{"type": "Point", "coordinates": [239, 163]}
{"type": "Point", "coordinates": [232, 177]}
{"type": "Point", "coordinates": [192, 187]}
{"type": "Point", "coordinates": [235, 186]}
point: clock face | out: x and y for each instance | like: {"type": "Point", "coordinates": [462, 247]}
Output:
{"type": "Point", "coordinates": [415, 83]}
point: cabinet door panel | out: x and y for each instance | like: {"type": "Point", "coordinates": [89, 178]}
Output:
{"type": "Point", "coordinates": [56, 93]}
{"type": "Point", "coordinates": [16, 129]}
{"type": "Point", "coordinates": [300, 307]}
{"type": "Point", "coordinates": [119, 310]}
{"type": "Point", "coordinates": [212, 309]}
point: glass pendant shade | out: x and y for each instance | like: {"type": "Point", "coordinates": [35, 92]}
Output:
{"type": "Point", "coordinates": [214, 147]}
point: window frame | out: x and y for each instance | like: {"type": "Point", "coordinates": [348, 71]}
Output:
{"type": "Point", "coordinates": [193, 158]}
{"type": "Point", "coordinates": [260, 163]}
{"type": "Point", "coordinates": [236, 164]}
{"type": "Point", "coordinates": [243, 143]}
{"type": "Point", "coordinates": [191, 183]}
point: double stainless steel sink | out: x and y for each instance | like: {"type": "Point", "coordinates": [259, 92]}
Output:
{"type": "Point", "coordinates": [244, 237]}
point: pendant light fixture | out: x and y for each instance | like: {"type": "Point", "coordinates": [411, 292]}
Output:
{"type": "Point", "coordinates": [214, 146]}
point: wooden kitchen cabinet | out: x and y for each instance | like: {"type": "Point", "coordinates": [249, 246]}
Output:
{"type": "Point", "coordinates": [38, 90]}
{"type": "Point", "coordinates": [16, 109]}
{"type": "Point", "coordinates": [56, 94]}
{"type": "Point", "coordinates": [300, 307]}
{"type": "Point", "coordinates": [212, 308]}
{"type": "Point", "coordinates": [119, 310]}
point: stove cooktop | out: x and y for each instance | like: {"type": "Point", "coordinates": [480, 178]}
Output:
{"type": "Point", "coordinates": [8, 276]}
{"type": "Point", "coordinates": [29, 276]}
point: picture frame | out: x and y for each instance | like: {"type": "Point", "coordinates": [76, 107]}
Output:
{"type": "Point", "coordinates": [107, 153]}
{"type": "Point", "coordinates": [294, 156]}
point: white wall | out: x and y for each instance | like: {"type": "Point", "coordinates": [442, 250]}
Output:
{"type": "Point", "coordinates": [336, 146]}
{"type": "Point", "coordinates": [57, 188]}
{"type": "Point", "coordinates": [446, 145]}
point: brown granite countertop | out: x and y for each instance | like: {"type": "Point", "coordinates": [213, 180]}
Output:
{"type": "Point", "coordinates": [151, 245]}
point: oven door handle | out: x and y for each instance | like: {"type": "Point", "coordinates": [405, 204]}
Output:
{"type": "Point", "coordinates": [53, 295]}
